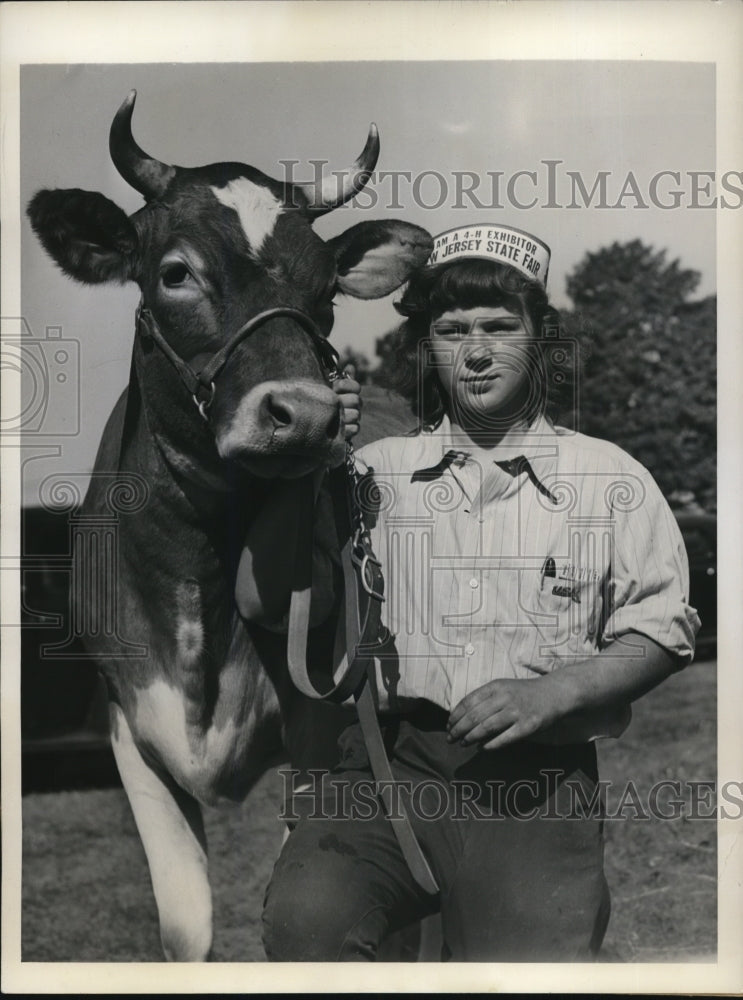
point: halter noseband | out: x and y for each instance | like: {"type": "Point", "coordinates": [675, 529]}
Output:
{"type": "Point", "coordinates": [201, 384]}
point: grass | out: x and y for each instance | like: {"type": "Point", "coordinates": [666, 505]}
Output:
{"type": "Point", "coordinates": [663, 874]}
{"type": "Point", "coordinates": [87, 897]}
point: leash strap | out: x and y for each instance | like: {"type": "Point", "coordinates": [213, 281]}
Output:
{"type": "Point", "coordinates": [362, 625]}
{"type": "Point", "coordinates": [380, 765]}
{"type": "Point", "coordinates": [363, 593]}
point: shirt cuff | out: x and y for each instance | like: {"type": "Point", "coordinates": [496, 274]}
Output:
{"type": "Point", "coordinates": [675, 633]}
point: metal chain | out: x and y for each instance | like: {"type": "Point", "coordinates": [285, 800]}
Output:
{"type": "Point", "coordinates": [362, 553]}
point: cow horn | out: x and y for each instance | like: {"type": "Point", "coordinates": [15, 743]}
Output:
{"type": "Point", "coordinates": [148, 176]}
{"type": "Point", "coordinates": [342, 185]}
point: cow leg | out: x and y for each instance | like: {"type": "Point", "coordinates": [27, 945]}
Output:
{"type": "Point", "coordinates": [171, 827]}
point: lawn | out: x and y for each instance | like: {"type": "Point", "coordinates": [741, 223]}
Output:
{"type": "Point", "coordinates": [87, 897]}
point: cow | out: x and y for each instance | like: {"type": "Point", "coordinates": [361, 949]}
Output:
{"type": "Point", "coordinates": [236, 284]}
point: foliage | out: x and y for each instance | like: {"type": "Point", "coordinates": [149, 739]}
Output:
{"type": "Point", "coordinates": [385, 351]}
{"type": "Point", "coordinates": [629, 277]}
{"type": "Point", "coordinates": [648, 381]}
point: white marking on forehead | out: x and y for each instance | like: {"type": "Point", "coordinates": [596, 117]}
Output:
{"type": "Point", "coordinates": [256, 207]}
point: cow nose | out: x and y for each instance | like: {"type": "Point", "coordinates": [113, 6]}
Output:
{"type": "Point", "coordinates": [279, 410]}
{"type": "Point", "coordinates": [283, 418]}
{"type": "Point", "coordinates": [302, 413]}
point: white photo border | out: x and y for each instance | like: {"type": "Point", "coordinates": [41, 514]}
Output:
{"type": "Point", "coordinates": [694, 31]}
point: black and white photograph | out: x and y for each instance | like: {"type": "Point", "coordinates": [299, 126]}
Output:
{"type": "Point", "coordinates": [370, 402]}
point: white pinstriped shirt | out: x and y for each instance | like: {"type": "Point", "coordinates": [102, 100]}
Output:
{"type": "Point", "coordinates": [514, 569]}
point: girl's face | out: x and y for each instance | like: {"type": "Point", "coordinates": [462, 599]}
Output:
{"type": "Point", "coordinates": [482, 358]}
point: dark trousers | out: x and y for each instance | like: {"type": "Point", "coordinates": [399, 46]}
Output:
{"type": "Point", "coordinates": [517, 855]}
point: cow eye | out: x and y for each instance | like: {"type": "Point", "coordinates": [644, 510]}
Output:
{"type": "Point", "coordinates": [174, 275]}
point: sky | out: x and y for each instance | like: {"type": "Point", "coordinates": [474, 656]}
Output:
{"type": "Point", "coordinates": [435, 119]}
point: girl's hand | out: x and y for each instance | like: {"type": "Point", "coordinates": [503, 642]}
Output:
{"type": "Point", "coordinates": [349, 391]}
{"type": "Point", "coordinates": [504, 711]}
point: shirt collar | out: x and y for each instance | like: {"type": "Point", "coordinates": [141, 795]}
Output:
{"type": "Point", "coordinates": [443, 447]}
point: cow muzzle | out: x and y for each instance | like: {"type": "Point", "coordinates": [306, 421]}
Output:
{"type": "Point", "coordinates": [284, 429]}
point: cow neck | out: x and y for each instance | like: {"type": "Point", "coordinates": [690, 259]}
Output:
{"type": "Point", "coordinates": [161, 412]}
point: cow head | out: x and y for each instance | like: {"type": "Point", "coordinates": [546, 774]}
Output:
{"type": "Point", "coordinates": [214, 246]}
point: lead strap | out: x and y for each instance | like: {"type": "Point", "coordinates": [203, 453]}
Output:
{"type": "Point", "coordinates": [361, 576]}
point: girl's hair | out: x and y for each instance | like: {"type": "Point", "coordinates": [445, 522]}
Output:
{"type": "Point", "coordinates": [465, 285]}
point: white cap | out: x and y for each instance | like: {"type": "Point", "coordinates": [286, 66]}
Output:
{"type": "Point", "coordinates": [488, 241]}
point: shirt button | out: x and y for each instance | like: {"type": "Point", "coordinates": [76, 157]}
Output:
{"type": "Point", "coordinates": [469, 649]}
{"type": "Point", "coordinates": [474, 583]}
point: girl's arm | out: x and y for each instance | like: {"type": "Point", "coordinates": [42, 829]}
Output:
{"type": "Point", "coordinates": [507, 710]}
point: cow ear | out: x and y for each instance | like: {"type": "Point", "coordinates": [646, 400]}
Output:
{"type": "Point", "coordinates": [375, 258]}
{"type": "Point", "coordinates": [89, 236]}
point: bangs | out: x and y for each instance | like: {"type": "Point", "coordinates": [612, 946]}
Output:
{"type": "Point", "coordinates": [471, 286]}
{"type": "Point", "coordinates": [468, 284]}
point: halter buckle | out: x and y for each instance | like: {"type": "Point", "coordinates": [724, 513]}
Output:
{"type": "Point", "coordinates": [367, 577]}
{"type": "Point", "coordinates": [202, 405]}
{"type": "Point", "coordinates": [362, 556]}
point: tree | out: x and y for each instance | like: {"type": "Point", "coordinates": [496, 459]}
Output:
{"type": "Point", "coordinates": [384, 350]}
{"type": "Point", "coordinates": [627, 277]}
{"type": "Point", "coordinates": [649, 357]}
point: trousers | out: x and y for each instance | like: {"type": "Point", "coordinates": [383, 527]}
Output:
{"type": "Point", "coordinates": [517, 855]}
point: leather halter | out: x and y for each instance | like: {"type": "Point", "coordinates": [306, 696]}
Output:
{"type": "Point", "coordinates": [201, 384]}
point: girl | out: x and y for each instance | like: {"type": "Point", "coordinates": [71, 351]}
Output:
{"type": "Point", "coordinates": [536, 584]}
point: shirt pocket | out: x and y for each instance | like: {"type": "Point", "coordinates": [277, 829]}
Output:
{"type": "Point", "coordinates": [571, 606]}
